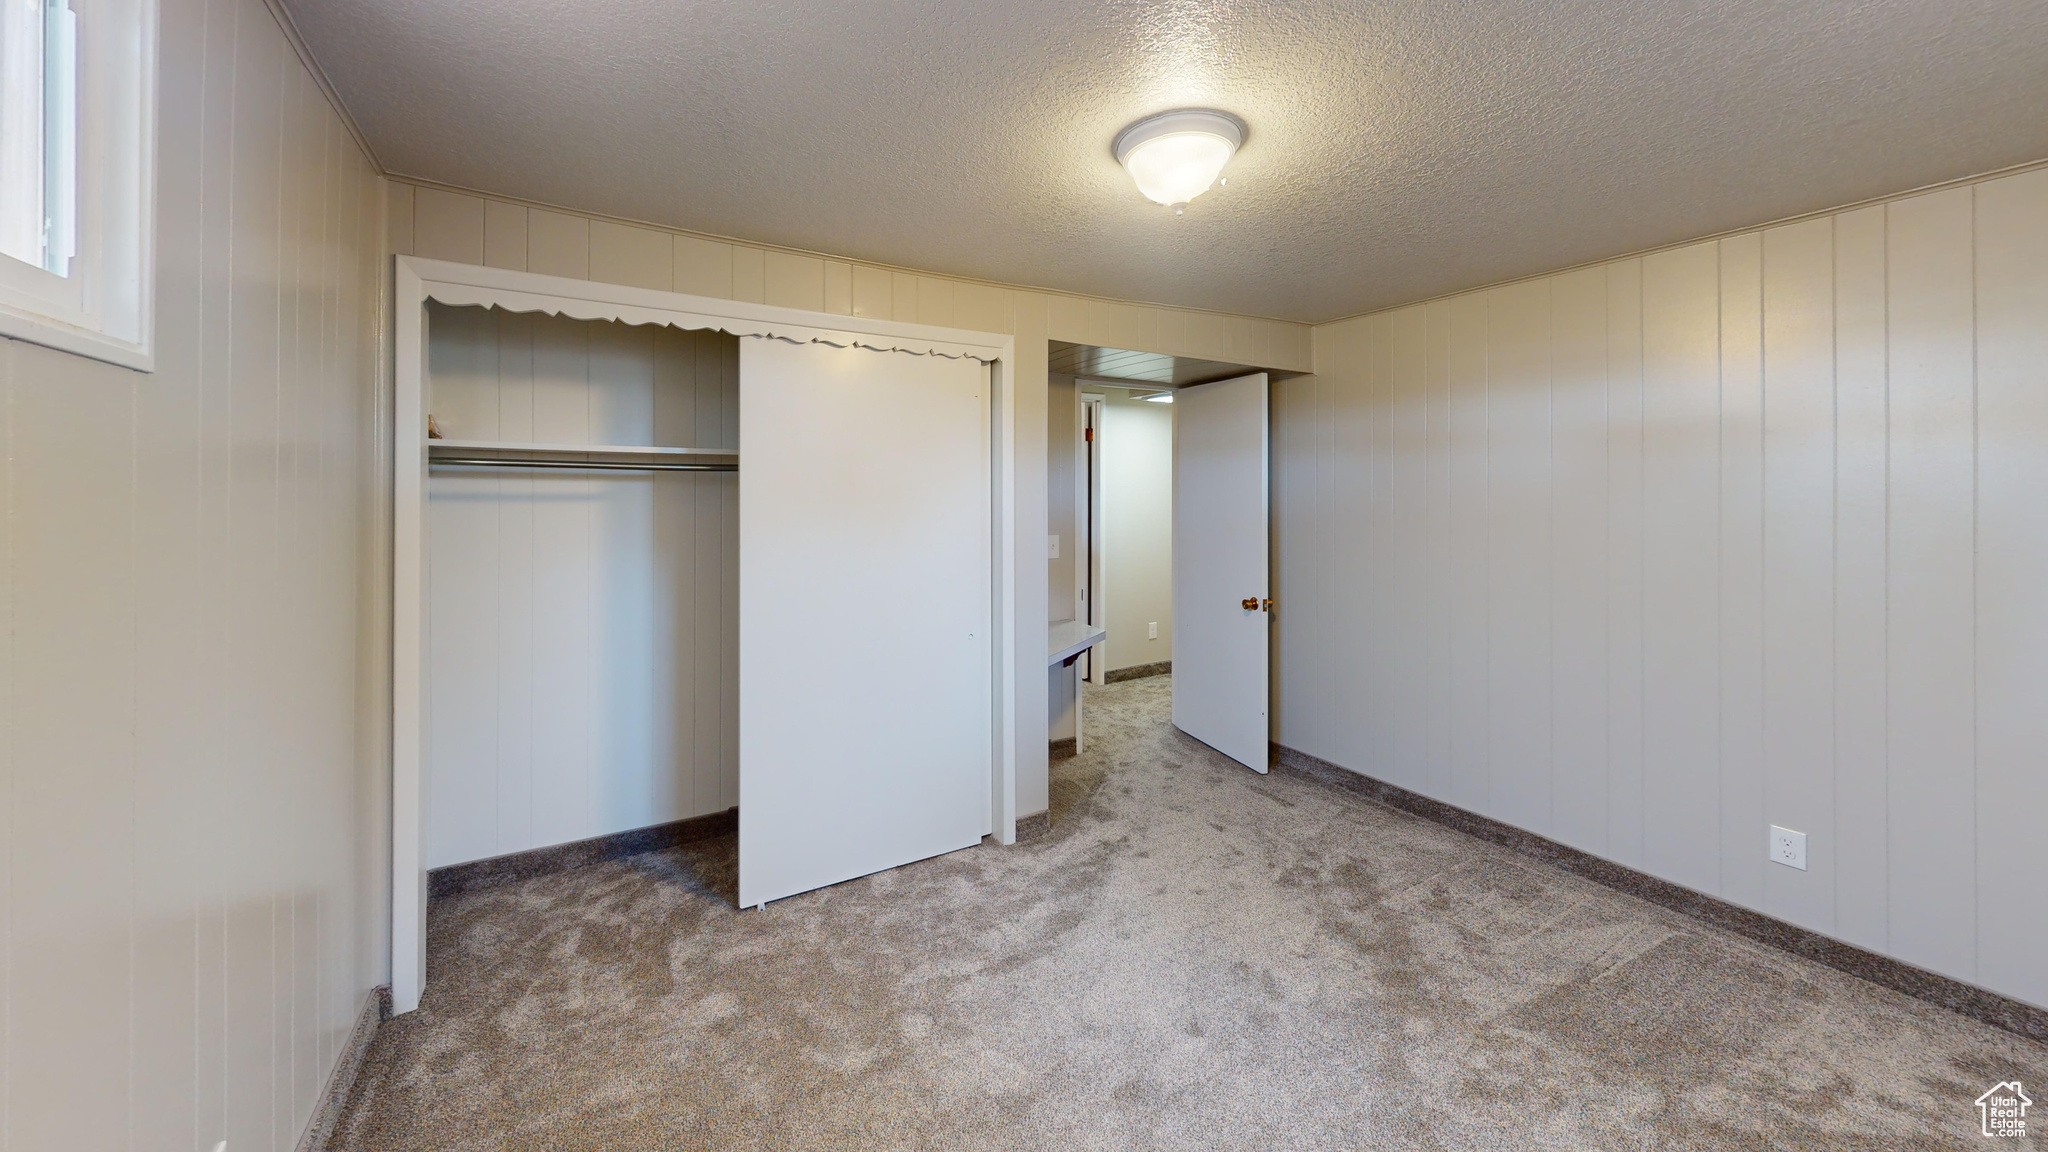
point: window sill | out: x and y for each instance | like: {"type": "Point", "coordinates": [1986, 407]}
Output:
{"type": "Point", "coordinates": [18, 325]}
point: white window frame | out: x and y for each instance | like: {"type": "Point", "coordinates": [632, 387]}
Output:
{"type": "Point", "coordinates": [104, 308]}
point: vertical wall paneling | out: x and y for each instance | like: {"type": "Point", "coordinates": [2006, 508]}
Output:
{"type": "Point", "coordinates": [179, 675]}
{"type": "Point", "coordinates": [504, 235]}
{"type": "Point", "coordinates": [1347, 478]}
{"type": "Point", "coordinates": [873, 291]}
{"type": "Point", "coordinates": [1517, 621]}
{"type": "Point", "coordinates": [1469, 558]}
{"type": "Point", "coordinates": [1436, 606]}
{"type": "Point", "coordinates": [448, 225]}
{"type": "Point", "coordinates": [839, 288]}
{"type": "Point", "coordinates": [1862, 597]}
{"type": "Point", "coordinates": [1681, 565]}
{"type": "Point", "coordinates": [903, 296]}
{"type": "Point", "coordinates": [1667, 550]}
{"type": "Point", "coordinates": [1331, 591]}
{"type": "Point", "coordinates": [703, 267]}
{"type": "Point", "coordinates": [1625, 734]}
{"type": "Point", "coordinates": [398, 197]}
{"type": "Point", "coordinates": [258, 1012]}
{"type": "Point", "coordinates": [1798, 574]}
{"type": "Point", "coordinates": [557, 244]}
{"type": "Point", "coordinates": [2012, 570]}
{"type": "Point", "coordinates": [1380, 542]}
{"type": "Point", "coordinates": [170, 724]}
{"type": "Point", "coordinates": [792, 281]}
{"type": "Point", "coordinates": [1409, 577]}
{"type": "Point", "coordinates": [1577, 578]}
{"type": "Point", "coordinates": [1742, 828]}
{"type": "Point", "coordinates": [749, 275]}
{"type": "Point", "coordinates": [623, 254]}
{"type": "Point", "coordinates": [935, 301]}
{"type": "Point", "coordinates": [1930, 699]}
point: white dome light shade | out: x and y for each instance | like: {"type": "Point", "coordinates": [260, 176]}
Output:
{"type": "Point", "coordinates": [1176, 156]}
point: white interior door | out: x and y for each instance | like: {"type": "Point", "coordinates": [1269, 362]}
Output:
{"type": "Point", "coordinates": [866, 608]}
{"type": "Point", "coordinates": [1220, 646]}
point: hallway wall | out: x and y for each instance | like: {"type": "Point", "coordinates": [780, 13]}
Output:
{"type": "Point", "coordinates": [1137, 529]}
{"type": "Point", "coordinates": [191, 870]}
{"type": "Point", "coordinates": [1648, 556]}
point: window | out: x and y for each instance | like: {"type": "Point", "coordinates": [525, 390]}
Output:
{"type": "Point", "coordinates": [77, 80]}
{"type": "Point", "coordinates": [39, 141]}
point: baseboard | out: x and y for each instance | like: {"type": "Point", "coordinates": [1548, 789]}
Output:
{"type": "Point", "coordinates": [1138, 672]}
{"type": "Point", "coordinates": [561, 857]}
{"type": "Point", "coordinates": [1060, 749]}
{"type": "Point", "coordinates": [2017, 1017]}
{"type": "Point", "coordinates": [341, 1081]}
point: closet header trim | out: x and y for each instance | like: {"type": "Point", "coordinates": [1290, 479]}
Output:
{"type": "Point", "coordinates": [467, 286]}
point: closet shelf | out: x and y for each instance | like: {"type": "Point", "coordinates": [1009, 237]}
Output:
{"type": "Point", "coordinates": [581, 457]}
{"type": "Point", "coordinates": [575, 449]}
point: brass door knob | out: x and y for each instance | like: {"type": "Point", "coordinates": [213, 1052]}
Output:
{"type": "Point", "coordinates": [1268, 605]}
{"type": "Point", "coordinates": [1250, 604]}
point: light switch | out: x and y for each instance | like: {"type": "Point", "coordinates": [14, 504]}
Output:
{"type": "Point", "coordinates": [1152, 630]}
{"type": "Point", "coordinates": [1052, 547]}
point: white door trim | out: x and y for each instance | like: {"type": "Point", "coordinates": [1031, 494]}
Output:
{"type": "Point", "coordinates": [1088, 505]}
{"type": "Point", "coordinates": [416, 281]}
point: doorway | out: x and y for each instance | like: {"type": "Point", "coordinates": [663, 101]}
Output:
{"type": "Point", "coordinates": [1159, 504]}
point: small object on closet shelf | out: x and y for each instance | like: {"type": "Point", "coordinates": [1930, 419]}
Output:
{"type": "Point", "coordinates": [433, 428]}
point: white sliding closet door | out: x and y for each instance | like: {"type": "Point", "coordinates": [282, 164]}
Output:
{"type": "Point", "coordinates": [866, 667]}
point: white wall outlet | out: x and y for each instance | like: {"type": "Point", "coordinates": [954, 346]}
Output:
{"type": "Point", "coordinates": [1788, 847]}
{"type": "Point", "coordinates": [1152, 630]}
{"type": "Point", "coordinates": [1052, 547]}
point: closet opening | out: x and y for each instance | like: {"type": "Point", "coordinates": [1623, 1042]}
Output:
{"type": "Point", "coordinates": [659, 562]}
{"type": "Point", "coordinates": [582, 519]}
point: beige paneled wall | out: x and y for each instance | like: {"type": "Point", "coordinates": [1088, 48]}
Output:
{"type": "Point", "coordinates": [182, 943]}
{"type": "Point", "coordinates": [1649, 556]}
{"type": "Point", "coordinates": [1137, 531]}
{"type": "Point", "coordinates": [446, 225]}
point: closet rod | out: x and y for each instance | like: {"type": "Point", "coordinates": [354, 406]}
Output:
{"type": "Point", "coordinates": [582, 465]}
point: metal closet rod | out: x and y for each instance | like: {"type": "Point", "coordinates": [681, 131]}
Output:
{"type": "Point", "coordinates": [581, 465]}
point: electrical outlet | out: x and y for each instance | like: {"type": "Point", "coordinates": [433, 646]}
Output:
{"type": "Point", "coordinates": [1152, 630]}
{"type": "Point", "coordinates": [1788, 847]}
{"type": "Point", "coordinates": [1052, 547]}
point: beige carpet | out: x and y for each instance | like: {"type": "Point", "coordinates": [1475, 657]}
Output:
{"type": "Point", "coordinates": [1195, 957]}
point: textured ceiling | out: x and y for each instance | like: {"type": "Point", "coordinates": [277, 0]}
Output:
{"type": "Point", "coordinates": [1398, 149]}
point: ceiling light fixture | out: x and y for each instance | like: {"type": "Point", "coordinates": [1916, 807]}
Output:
{"type": "Point", "coordinates": [1176, 156]}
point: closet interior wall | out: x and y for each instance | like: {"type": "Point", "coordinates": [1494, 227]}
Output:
{"type": "Point", "coordinates": [584, 625]}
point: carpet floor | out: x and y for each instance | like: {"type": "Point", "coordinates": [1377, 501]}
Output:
{"type": "Point", "coordinates": [1193, 957]}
